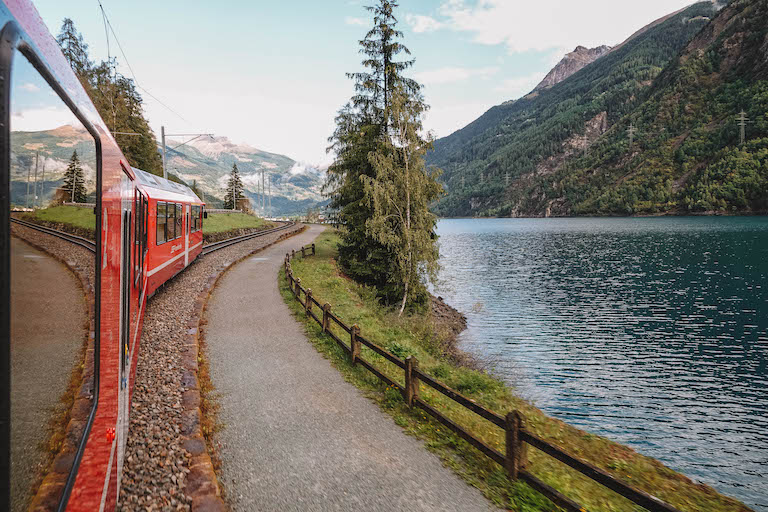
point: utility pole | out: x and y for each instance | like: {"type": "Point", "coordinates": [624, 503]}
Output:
{"type": "Point", "coordinates": [263, 195]}
{"type": "Point", "coordinates": [631, 131]}
{"type": "Point", "coordinates": [586, 143]}
{"type": "Point", "coordinates": [506, 178]}
{"type": "Point", "coordinates": [163, 136]}
{"type": "Point", "coordinates": [34, 199]}
{"type": "Point", "coordinates": [42, 185]}
{"type": "Point", "coordinates": [462, 182]}
{"type": "Point", "coordinates": [29, 173]}
{"type": "Point", "coordinates": [482, 177]}
{"type": "Point", "coordinates": [742, 122]}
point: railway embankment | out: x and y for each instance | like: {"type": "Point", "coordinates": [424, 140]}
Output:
{"type": "Point", "coordinates": [461, 413]}
{"type": "Point", "coordinates": [65, 426]}
{"type": "Point", "coordinates": [167, 462]}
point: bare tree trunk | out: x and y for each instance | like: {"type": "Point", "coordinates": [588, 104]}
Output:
{"type": "Point", "coordinates": [405, 298]}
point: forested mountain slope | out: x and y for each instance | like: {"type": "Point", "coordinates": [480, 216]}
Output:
{"type": "Point", "coordinates": [511, 160]}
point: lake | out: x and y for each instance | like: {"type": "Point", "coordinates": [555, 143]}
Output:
{"type": "Point", "coordinates": [650, 331]}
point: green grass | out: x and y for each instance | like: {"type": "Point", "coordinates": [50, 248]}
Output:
{"type": "Point", "coordinates": [76, 216]}
{"type": "Point", "coordinates": [221, 222]}
{"type": "Point", "coordinates": [413, 335]}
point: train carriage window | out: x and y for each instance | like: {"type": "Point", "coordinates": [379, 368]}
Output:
{"type": "Point", "coordinates": [171, 220]}
{"type": "Point", "coordinates": [161, 223]}
{"type": "Point", "coordinates": [53, 175]}
{"type": "Point", "coordinates": [179, 217]}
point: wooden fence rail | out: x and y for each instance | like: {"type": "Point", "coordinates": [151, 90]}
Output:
{"type": "Point", "coordinates": [514, 459]}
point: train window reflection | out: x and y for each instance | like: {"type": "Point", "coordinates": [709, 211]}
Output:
{"type": "Point", "coordinates": [52, 182]}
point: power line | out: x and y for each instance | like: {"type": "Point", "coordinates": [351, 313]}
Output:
{"type": "Point", "coordinates": [127, 63]}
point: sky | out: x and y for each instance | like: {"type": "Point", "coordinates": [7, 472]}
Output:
{"type": "Point", "coordinates": [271, 74]}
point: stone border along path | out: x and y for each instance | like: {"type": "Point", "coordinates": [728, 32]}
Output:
{"type": "Point", "coordinates": [297, 436]}
{"type": "Point", "coordinates": [167, 466]}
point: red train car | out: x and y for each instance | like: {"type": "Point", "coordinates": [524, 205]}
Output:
{"type": "Point", "coordinates": [174, 227]}
{"type": "Point", "coordinates": [148, 230]}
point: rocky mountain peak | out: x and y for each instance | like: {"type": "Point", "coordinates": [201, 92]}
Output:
{"type": "Point", "coordinates": [571, 63]}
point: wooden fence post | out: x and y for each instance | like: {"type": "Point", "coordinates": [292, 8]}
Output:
{"type": "Point", "coordinates": [411, 380]}
{"type": "Point", "coordinates": [297, 292]}
{"type": "Point", "coordinates": [326, 317]}
{"type": "Point", "coordinates": [515, 457]}
{"type": "Point", "coordinates": [354, 344]}
{"type": "Point", "coordinates": [302, 252]}
{"type": "Point", "coordinates": [293, 253]}
{"type": "Point", "coordinates": [313, 249]}
{"type": "Point", "coordinates": [308, 305]}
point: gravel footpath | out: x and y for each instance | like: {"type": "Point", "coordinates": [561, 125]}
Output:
{"type": "Point", "coordinates": [156, 464]}
{"type": "Point", "coordinates": [297, 436]}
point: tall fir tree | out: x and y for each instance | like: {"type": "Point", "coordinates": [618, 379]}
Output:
{"type": "Point", "coordinates": [74, 181]}
{"type": "Point", "coordinates": [115, 98]}
{"type": "Point", "coordinates": [74, 48]}
{"type": "Point", "coordinates": [400, 194]}
{"type": "Point", "coordinates": [234, 189]}
{"type": "Point", "coordinates": [363, 131]}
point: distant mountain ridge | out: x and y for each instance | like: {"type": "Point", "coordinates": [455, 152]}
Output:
{"type": "Point", "coordinates": [208, 161]}
{"type": "Point", "coordinates": [514, 159]}
{"type": "Point", "coordinates": [571, 63]}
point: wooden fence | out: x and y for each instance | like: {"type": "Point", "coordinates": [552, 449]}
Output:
{"type": "Point", "coordinates": [517, 437]}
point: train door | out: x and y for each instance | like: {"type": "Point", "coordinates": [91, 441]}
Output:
{"type": "Point", "coordinates": [128, 252]}
{"type": "Point", "coordinates": [187, 218]}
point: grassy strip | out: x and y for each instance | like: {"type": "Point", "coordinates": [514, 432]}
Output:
{"type": "Point", "coordinates": [220, 222]}
{"type": "Point", "coordinates": [77, 220]}
{"type": "Point", "coordinates": [415, 336]}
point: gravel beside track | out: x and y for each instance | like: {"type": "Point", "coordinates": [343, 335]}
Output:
{"type": "Point", "coordinates": [156, 464]}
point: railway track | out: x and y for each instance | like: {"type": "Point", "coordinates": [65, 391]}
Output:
{"type": "Point", "coordinates": [207, 249]}
{"type": "Point", "coordinates": [77, 240]}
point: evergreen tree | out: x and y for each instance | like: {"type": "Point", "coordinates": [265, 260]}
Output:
{"type": "Point", "coordinates": [401, 193]}
{"type": "Point", "coordinates": [74, 48]}
{"type": "Point", "coordinates": [362, 130]}
{"type": "Point", "coordinates": [74, 181]}
{"type": "Point", "coordinates": [116, 100]}
{"type": "Point", "coordinates": [234, 189]}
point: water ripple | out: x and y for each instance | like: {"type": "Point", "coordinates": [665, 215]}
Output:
{"type": "Point", "coordinates": [653, 332]}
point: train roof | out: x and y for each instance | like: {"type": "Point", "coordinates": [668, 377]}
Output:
{"type": "Point", "coordinates": [161, 188]}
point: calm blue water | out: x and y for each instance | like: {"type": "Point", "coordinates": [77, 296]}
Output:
{"type": "Point", "coordinates": [652, 332]}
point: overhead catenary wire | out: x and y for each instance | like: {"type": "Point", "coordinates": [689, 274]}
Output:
{"type": "Point", "coordinates": [128, 64]}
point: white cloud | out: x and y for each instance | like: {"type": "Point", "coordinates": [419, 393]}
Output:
{"type": "Point", "coordinates": [41, 119]}
{"type": "Point", "coordinates": [30, 87]}
{"type": "Point", "coordinates": [360, 22]}
{"type": "Point", "coordinates": [538, 26]}
{"type": "Point", "coordinates": [420, 23]}
{"type": "Point", "coordinates": [454, 74]}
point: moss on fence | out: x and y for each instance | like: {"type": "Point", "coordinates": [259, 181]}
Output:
{"type": "Point", "coordinates": [414, 335]}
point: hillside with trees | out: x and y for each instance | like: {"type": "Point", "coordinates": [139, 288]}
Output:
{"type": "Point", "coordinates": [564, 151]}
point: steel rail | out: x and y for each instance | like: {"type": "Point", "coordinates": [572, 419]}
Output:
{"type": "Point", "coordinates": [74, 239]}
{"type": "Point", "coordinates": [207, 249]}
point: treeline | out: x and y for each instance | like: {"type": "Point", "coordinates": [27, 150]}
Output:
{"type": "Point", "coordinates": [116, 99]}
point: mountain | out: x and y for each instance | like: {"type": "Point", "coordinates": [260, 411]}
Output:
{"type": "Point", "coordinates": [208, 161]}
{"type": "Point", "coordinates": [515, 148]}
{"type": "Point", "coordinates": [688, 156]}
{"type": "Point", "coordinates": [205, 163]}
{"type": "Point", "coordinates": [48, 153]}
{"type": "Point", "coordinates": [571, 63]}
